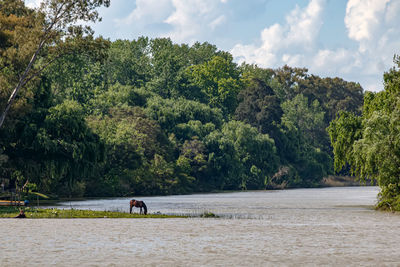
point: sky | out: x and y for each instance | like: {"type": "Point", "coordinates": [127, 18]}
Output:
{"type": "Point", "coordinates": [351, 39]}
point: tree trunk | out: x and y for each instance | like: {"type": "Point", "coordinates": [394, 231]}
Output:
{"type": "Point", "coordinates": [22, 82]}
{"type": "Point", "coordinates": [9, 103]}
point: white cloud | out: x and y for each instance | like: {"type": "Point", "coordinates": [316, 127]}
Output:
{"type": "Point", "coordinates": [194, 19]}
{"type": "Point", "coordinates": [147, 12]}
{"type": "Point", "coordinates": [304, 24]}
{"type": "Point", "coordinates": [181, 20]}
{"type": "Point", "coordinates": [363, 17]}
{"type": "Point", "coordinates": [272, 38]}
{"type": "Point", "coordinates": [216, 22]}
{"type": "Point", "coordinates": [335, 61]}
{"type": "Point", "coordinates": [372, 24]}
{"type": "Point", "coordinates": [278, 42]}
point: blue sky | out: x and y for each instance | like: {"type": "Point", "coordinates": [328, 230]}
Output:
{"type": "Point", "coordinates": [351, 39]}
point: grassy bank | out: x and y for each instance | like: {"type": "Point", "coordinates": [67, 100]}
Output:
{"type": "Point", "coordinates": [34, 213]}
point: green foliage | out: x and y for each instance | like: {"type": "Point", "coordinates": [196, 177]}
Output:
{"type": "Point", "coordinates": [305, 124]}
{"type": "Point", "coordinates": [219, 80]}
{"type": "Point", "coordinates": [208, 214]}
{"type": "Point", "coordinates": [75, 77]}
{"type": "Point", "coordinates": [171, 112]}
{"type": "Point", "coordinates": [46, 35]}
{"type": "Point", "coordinates": [131, 140]}
{"type": "Point", "coordinates": [344, 131]}
{"type": "Point", "coordinates": [298, 115]}
{"type": "Point", "coordinates": [259, 106]}
{"type": "Point", "coordinates": [168, 61]}
{"type": "Point", "coordinates": [240, 157]}
{"type": "Point", "coordinates": [333, 94]}
{"type": "Point", "coordinates": [192, 129]}
{"type": "Point", "coordinates": [55, 150]}
{"type": "Point", "coordinates": [69, 150]}
{"type": "Point", "coordinates": [20, 29]}
{"type": "Point", "coordinates": [128, 62]}
{"type": "Point", "coordinates": [370, 143]}
{"type": "Point", "coordinates": [193, 165]}
{"type": "Point", "coordinates": [116, 95]}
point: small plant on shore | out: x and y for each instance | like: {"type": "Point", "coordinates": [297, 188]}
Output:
{"type": "Point", "coordinates": [208, 214]}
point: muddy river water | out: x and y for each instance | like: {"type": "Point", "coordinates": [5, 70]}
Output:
{"type": "Point", "coordinates": [302, 227]}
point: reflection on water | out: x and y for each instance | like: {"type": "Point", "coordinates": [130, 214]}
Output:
{"type": "Point", "coordinates": [333, 226]}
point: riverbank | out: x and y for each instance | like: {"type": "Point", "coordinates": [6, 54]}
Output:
{"type": "Point", "coordinates": [37, 213]}
{"type": "Point", "coordinates": [341, 181]}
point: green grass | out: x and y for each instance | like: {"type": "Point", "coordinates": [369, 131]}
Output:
{"type": "Point", "coordinates": [34, 213]}
{"type": "Point", "coordinates": [208, 214]}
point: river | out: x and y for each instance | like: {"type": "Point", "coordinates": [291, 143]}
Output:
{"type": "Point", "coordinates": [306, 227]}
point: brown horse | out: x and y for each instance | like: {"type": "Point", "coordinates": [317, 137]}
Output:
{"type": "Point", "coordinates": [138, 204]}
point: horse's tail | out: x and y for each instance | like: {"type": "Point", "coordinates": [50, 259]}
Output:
{"type": "Point", "coordinates": [145, 208]}
{"type": "Point", "coordinates": [130, 206]}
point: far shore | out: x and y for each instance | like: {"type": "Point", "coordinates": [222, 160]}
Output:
{"type": "Point", "coordinates": [341, 181]}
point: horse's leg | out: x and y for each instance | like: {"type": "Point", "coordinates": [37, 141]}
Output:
{"type": "Point", "coordinates": [140, 209]}
{"type": "Point", "coordinates": [130, 208]}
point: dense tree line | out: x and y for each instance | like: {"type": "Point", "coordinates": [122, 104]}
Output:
{"type": "Point", "coordinates": [149, 116]}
